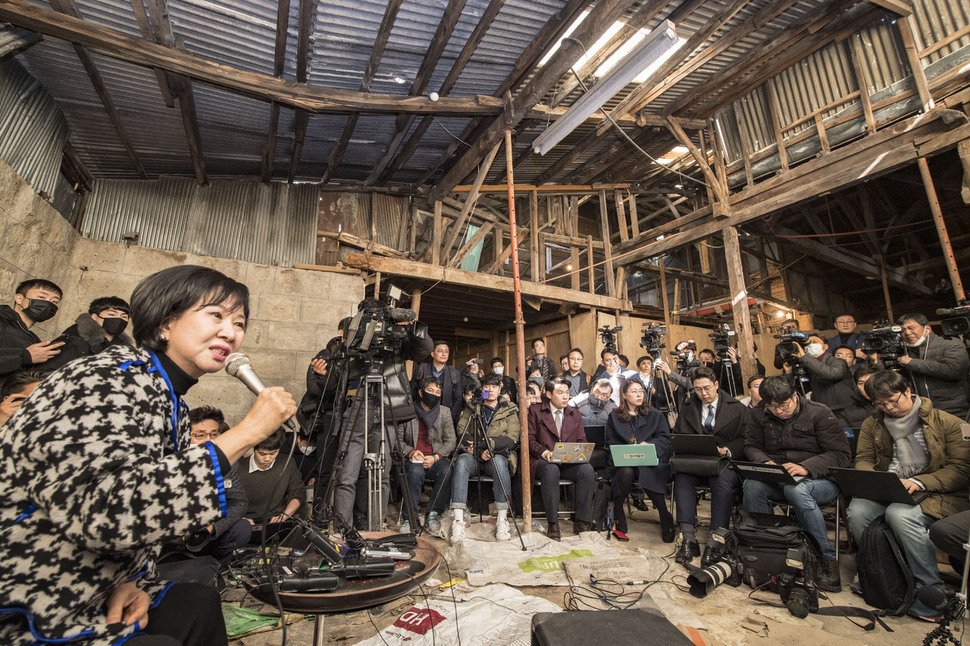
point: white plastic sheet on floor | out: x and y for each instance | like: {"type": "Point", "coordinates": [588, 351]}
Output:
{"type": "Point", "coordinates": [494, 614]}
{"type": "Point", "coordinates": [540, 564]}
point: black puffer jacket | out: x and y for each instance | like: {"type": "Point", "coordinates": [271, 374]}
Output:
{"type": "Point", "coordinates": [84, 338]}
{"type": "Point", "coordinates": [14, 340]}
{"type": "Point", "coordinates": [811, 437]}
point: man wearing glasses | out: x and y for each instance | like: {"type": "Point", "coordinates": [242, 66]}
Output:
{"type": "Point", "coordinates": [806, 439]}
{"type": "Point", "coordinates": [924, 446]}
{"type": "Point", "coordinates": [845, 327]}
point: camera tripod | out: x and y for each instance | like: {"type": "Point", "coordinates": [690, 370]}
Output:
{"type": "Point", "coordinates": [480, 442]}
{"type": "Point", "coordinates": [727, 373]}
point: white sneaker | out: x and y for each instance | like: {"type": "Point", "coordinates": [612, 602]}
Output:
{"type": "Point", "coordinates": [457, 531]}
{"type": "Point", "coordinates": [406, 527]}
{"type": "Point", "coordinates": [503, 531]}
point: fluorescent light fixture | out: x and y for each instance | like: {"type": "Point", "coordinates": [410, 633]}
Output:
{"type": "Point", "coordinates": [647, 53]}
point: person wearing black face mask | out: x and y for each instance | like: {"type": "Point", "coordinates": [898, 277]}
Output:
{"type": "Point", "coordinates": [101, 326]}
{"type": "Point", "coordinates": [35, 301]}
{"type": "Point", "coordinates": [427, 441]}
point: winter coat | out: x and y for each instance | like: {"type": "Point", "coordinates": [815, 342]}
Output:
{"type": "Point", "coordinates": [947, 475]}
{"type": "Point", "coordinates": [938, 371]}
{"type": "Point", "coordinates": [811, 437]}
{"type": "Point", "coordinates": [97, 470]}
{"type": "Point", "coordinates": [441, 436]}
{"type": "Point", "coordinates": [652, 428]}
{"type": "Point", "coordinates": [15, 338]}
{"type": "Point", "coordinates": [505, 422]}
{"type": "Point", "coordinates": [832, 381]}
{"type": "Point", "coordinates": [729, 419]}
{"type": "Point", "coordinates": [84, 338]}
{"type": "Point", "coordinates": [451, 395]}
{"type": "Point", "coordinates": [542, 430]}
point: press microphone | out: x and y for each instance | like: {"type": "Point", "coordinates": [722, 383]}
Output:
{"type": "Point", "coordinates": [239, 366]}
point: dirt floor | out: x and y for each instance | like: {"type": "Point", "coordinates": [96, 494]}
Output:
{"type": "Point", "coordinates": [727, 615]}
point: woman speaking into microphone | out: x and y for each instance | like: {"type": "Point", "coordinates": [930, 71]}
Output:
{"type": "Point", "coordinates": [97, 470]}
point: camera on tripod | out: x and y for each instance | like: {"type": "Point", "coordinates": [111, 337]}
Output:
{"type": "Point", "coordinates": [786, 343]}
{"type": "Point", "coordinates": [721, 338]}
{"type": "Point", "coordinates": [608, 336]}
{"type": "Point", "coordinates": [957, 319]}
{"type": "Point", "coordinates": [375, 329]}
{"type": "Point", "coordinates": [652, 339]}
{"type": "Point", "coordinates": [886, 341]}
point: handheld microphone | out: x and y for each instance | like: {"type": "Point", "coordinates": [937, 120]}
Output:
{"type": "Point", "coordinates": [239, 366]}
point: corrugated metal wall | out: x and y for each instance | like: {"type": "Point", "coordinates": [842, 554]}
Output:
{"type": "Point", "coordinates": [32, 129]}
{"type": "Point", "coordinates": [272, 224]}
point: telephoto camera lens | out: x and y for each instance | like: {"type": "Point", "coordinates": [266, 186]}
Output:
{"type": "Point", "coordinates": [703, 581]}
{"type": "Point", "coordinates": [197, 541]}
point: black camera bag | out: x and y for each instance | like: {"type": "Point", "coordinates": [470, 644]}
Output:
{"type": "Point", "coordinates": [886, 580]}
{"type": "Point", "coordinates": [763, 544]}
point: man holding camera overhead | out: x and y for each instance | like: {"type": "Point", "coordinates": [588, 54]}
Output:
{"type": "Point", "coordinates": [936, 366]}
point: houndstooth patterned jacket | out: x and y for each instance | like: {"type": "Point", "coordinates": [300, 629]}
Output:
{"type": "Point", "coordinates": [96, 470]}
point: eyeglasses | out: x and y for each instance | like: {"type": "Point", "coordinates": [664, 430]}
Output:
{"type": "Point", "coordinates": [892, 403]}
{"type": "Point", "coordinates": [849, 322]}
{"type": "Point", "coordinates": [783, 405]}
{"type": "Point", "coordinates": [205, 436]}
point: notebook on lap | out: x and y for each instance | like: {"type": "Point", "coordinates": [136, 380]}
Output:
{"type": "Point", "coordinates": [766, 472]}
{"type": "Point", "coordinates": [572, 452]}
{"type": "Point", "coordinates": [634, 455]}
{"type": "Point", "coordinates": [879, 486]}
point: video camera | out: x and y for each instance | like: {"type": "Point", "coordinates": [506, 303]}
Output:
{"type": "Point", "coordinates": [375, 329]}
{"type": "Point", "coordinates": [653, 339]}
{"type": "Point", "coordinates": [886, 341]}
{"type": "Point", "coordinates": [786, 345]}
{"type": "Point", "coordinates": [608, 336]}
{"type": "Point", "coordinates": [957, 321]}
{"type": "Point", "coordinates": [721, 338]}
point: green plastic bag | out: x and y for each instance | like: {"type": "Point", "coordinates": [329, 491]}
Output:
{"type": "Point", "coordinates": [240, 621]}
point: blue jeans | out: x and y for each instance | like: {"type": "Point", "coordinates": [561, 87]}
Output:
{"type": "Point", "coordinates": [466, 466]}
{"type": "Point", "coordinates": [909, 524]}
{"type": "Point", "coordinates": [416, 474]}
{"type": "Point", "coordinates": [804, 497]}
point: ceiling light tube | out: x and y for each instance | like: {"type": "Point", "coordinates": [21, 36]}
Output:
{"type": "Point", "coordinates": [655, 45]}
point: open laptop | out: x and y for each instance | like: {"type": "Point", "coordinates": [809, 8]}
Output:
{"type": "Point", "coordinates": [572, 452]}
{"type": "Point", "coordinates": [692, 444]}
{"type": "Point", "coordinates": [596, 435]}
{"type": "Point", "coordinates": [634, 455]}
{"type": "Point", "coordinates": [766, 472]}
{"type": "Point", "coordinates": [879, 486]}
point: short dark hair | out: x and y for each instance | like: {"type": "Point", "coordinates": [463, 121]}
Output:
{"type": "Point", "coordinates": [919, 318]}
{"type": "Point", "coordinates": [444, 343]}
{"type": "Point", "coordinates": [867, 371]}
{"type": "Point", "coordinates": [551, 384]}
{"type": "Point", "coordinates": [885, 383]}
{"type": "Point", "coordinates": [533, 386]}
{"type": "Point", "coordinates": [602, 382]}
{"type": "Point", "coordinates": [838, 316]}
{"type": "Point", "coordinates": [708, 351]}
{"type": "Point", "coordinates": [776, 389]}
{"type": "Point", "coordinates": [571, 350]}
{"type": "Point", "coordinates": [646, 356]}
{"type": "Point", "coordinates": [844, 347]}
{"type": "Point", "coordinates": [787, 321]}
{"type": "Point", "coordinates": [428, 381]}
{"type": "Point", "coordinates": [99, 305]}
{"type": "Point", "coordinates": [605, 350]}
{"type": "Point", "coordinates": [704, 373]}
{"type": "Point", "coordinates": [754, 378]}
{"type": "Point", "coordinates": [203, 413]}
{"type": "Point", "coordinates": [563, 356]}
{"type": "Point", "coordinates": [38, 283]}
{"type": "Point", "coordinates": [274, 442]}
{"type": "Point", "coordinates": [536, 340]}
{"type": "Point", "coordinates": [468, 386]}
{"type": "Point", "coordinates": [491, 379]}
{"type": "Point", "coordinates": [495, 360]}
{"type": "Point", "coordinates": [623, 359]}
{"type": "Point", "coordinates": [17, 381]}
{"type": "Point", "coordinates": [167, 294]}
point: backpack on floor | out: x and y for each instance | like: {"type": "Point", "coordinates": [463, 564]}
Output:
{"type": "Point", "coordinates": [886, 580]}
{"type": "Point", "coordinates": [601, 501]}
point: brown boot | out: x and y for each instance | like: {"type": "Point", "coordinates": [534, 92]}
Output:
{"type": "Point", "coordinates": [580, 526]}
{"type": "Point", "coordinates": [553, 531]}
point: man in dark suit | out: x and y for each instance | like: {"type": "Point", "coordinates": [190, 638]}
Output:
{"type": "Point", "coordinates": [550, 421]}
{"type": "Point", "coordinates": [708, 411]}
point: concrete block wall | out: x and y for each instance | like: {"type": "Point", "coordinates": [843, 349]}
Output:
{"type": "Point", "coordinates": [293, 312]}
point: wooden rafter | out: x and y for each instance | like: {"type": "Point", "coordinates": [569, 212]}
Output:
{"type": "Point", "coordinates": [301, 117]}
{"type": "Point", "coordinates": [146, 32]}
{"type": "Point", "coordinates": [279, 60]}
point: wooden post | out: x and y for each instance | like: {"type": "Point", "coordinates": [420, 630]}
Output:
{"type": "Point", "coordinates": [663, 293]}
{"type": "Point", "coordinates": [862, 80]}
{"type": "Point", "coordinates": [675, 310]}
{"type": "Point", "coordinates": [377, 285]}
{"type": "Point", "coordinates": [634, 218]}
{"type": "Point", "coordinates": [621, 215]}
{"type": "Point", "coordinates": [589, 264]}
{"type": "Point", "coordinates": [574, 251]}
{"type": "Point", "coordinates": [497, 246]}
{"type": "Point", "coordinates": [739, 303]}
{"type": "Point", "coordinates": [607, 246]}
{"type": "Point", "coordinates": [885, 287]}
{"type": "Point", "coordinates": [776, 124]}
{"type": "Point", "coordinates": [534, 236]}
{"type": "Point", "coordinates": [414, 228]}
{"type": "Point", "coordinates": [908, 35]}
{"type": "Point", "coordinates": [963, 148]}
{"type": "Point", "coordinates": [436, 235]}
{"type": "Point", "coordinates": [416, 306]}
{"type": "Point", "coordinates": [951, 262]}
{"type": "Point", "coordinates": [745, 149]}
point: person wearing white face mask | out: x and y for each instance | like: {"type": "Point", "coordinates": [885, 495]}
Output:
{"type": "Point", "coordinates": [832, 381]}
{"type": "Point", "coordinates": [936, 366]}
{"type": "Point", "coordinates": [509, 389]}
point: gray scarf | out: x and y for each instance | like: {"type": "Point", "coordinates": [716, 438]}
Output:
{"type": "Point", "coordinates": [910, 455]}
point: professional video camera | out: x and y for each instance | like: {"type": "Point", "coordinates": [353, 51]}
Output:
{"type": "Point", "coordinates": [957, 319]}
{"type": "Point", "coordinates": [686, 354]}
{"type": "Point", "coordinates": [886, 341]}
{"type": "Point", "coordinates": [727, 568]}
{"type": "Point", "coordinates": [375, 329]}
{"type": "Point", "coordinates": [721, 338]}
{"type": "Point", "coordinates": [786, 345]}
{"type": "Point", "coordinates": [608, 336]}
{"type": "Point", "coordinates": [653, 339]}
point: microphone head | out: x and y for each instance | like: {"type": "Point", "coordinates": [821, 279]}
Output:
{"type": "Point", "coordinates": [236, 361]}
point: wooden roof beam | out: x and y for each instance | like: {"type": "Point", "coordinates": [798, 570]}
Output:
{"type": "Point", "coordinates": [146, 32]}
{"type": "Point", "coordinates": [301, 117]}
{"type": "Point", "coordinates": [279, 59]}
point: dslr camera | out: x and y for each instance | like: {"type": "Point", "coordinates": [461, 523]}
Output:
{"type": "Point", "coordinates": [886, 342]}
{"type": "Point", "coordinates": [652, 339]}
{"type": "Point", "coordinates": [727, 568]}
{"type": "Point", "coordinates": [798, 591]}
{"type": "Point", "coordinates": [721, 338]}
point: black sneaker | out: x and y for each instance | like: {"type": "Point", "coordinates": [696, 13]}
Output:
{"type": "Point", "coordinates": [828, 576]}
{"type": "Point", "coordinates": [638, 499]}
{"type": "Point", "coordinates": [689, 550]}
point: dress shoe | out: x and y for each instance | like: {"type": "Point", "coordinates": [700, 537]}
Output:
{"type": "Point", "coordinates": [639, 500]}
{"type": "Point", "coordinates": [668, 531]}
{"type": "Point", "coordinates": [580, 526]}
{"type": "Point", "coordinates": [553, 531]}
{"type": "Point", "coordinates": [689, 550]}
{"type": "Point", "coordinates": [710, 557]}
